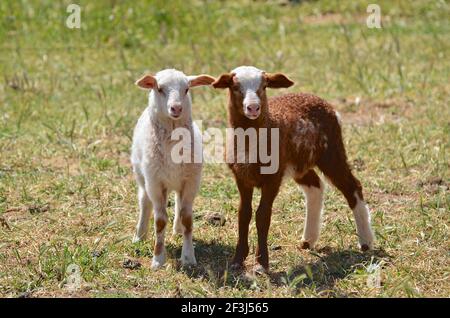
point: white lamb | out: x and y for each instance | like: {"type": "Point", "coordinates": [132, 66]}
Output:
{"type": "Point", "coordinates": [156, 172]}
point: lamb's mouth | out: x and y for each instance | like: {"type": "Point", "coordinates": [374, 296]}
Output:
{"type": "Point", "coordinates": [252, 116]}
{"type": "Point", "coordinates": [175, 116]}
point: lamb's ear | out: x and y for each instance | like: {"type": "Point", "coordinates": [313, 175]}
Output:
{"type": "Point", "coordinates": [147, 82]}
{"type": "Point", "coordinates": [224, 81]}
{"type": "Point", "coordinates": [277, 80]}
{"type": "Point", "coordinates": [199, 80]}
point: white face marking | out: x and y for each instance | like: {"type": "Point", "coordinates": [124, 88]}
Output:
{"type": "Point", "coordinates": [172, 92]}
{"type": "Point", "coordinates": [249, 79]}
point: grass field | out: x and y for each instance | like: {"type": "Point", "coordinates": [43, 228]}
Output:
{"type": "Point", "coordinates": [68, 105]}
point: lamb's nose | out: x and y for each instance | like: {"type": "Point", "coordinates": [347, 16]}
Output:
{"type": "Point", "coordinates": [175, 109]}
{"type": "Point", "coordinates": [253, 108]}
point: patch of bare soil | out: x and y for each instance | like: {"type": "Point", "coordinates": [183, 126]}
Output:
{"type": "Point", "coordinates": [58, 163]}
{"type": "Point", "coordinates": [433, 184]}
{"type": "Point", "coordinates": [363, 112]}
{"type": "Point", "coordinates": [14, 214]}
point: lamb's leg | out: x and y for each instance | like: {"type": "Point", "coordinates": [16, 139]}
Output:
{"type": "Point", "coordinates": [244, 217]}
{"type": "Point", "coordinates": [158, 196]}
{"type": "Point", "coordinates": [186, 197]}
{"type": "Point", "coordinates": [313, 188]}
{"type": "Point", "coordinates": [339, 173]}
{"type": "Point", "coordinates": [362, 217]}
{"type": "Point", "coordinates": [177, 225]}
{"type": "Point", "coordinates": [269, 192]}
{"type": "Point", "coordinates": [145, 207]}
{"type": "Point", "coordinates": [187, 252]}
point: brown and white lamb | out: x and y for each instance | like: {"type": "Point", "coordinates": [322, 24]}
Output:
{"type": "Point", "coordinates": [309, 136]}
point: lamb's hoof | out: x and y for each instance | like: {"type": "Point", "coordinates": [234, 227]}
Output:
{"type": "Point", "coordinates": [305, 245]}
{"type": "Point", "coordinates": [365, 248]}
{"type": "Point", "coordinates": [156, 265]}
{"type": "Point", "coordinates": [258, 269]}
{"type": "Point", "coordinates": [308, 244]}
{"type": "Point", "coordinates": [158, 262]}
{"type": "Point", "coordinates": [188, 262]}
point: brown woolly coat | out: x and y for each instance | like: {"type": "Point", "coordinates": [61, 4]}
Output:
{"type": "Point", "coordinates": [310, 135]}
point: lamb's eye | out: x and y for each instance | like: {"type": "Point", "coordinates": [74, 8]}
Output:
{"type": "Point", "coordinates": [187, 90]}
{"type": "Point", "coordinates": [161, 90]}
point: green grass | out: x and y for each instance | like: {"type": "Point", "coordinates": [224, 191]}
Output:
{"type": "Point", "coordinates": [68, 106]}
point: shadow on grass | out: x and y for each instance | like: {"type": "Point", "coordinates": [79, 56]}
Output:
{"type": "Point", "coordinates": [331, 266]}
{"type": "Point", "coordinates": [212, 256]}
{"type": "Point", "coordinates": [213, 259]}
